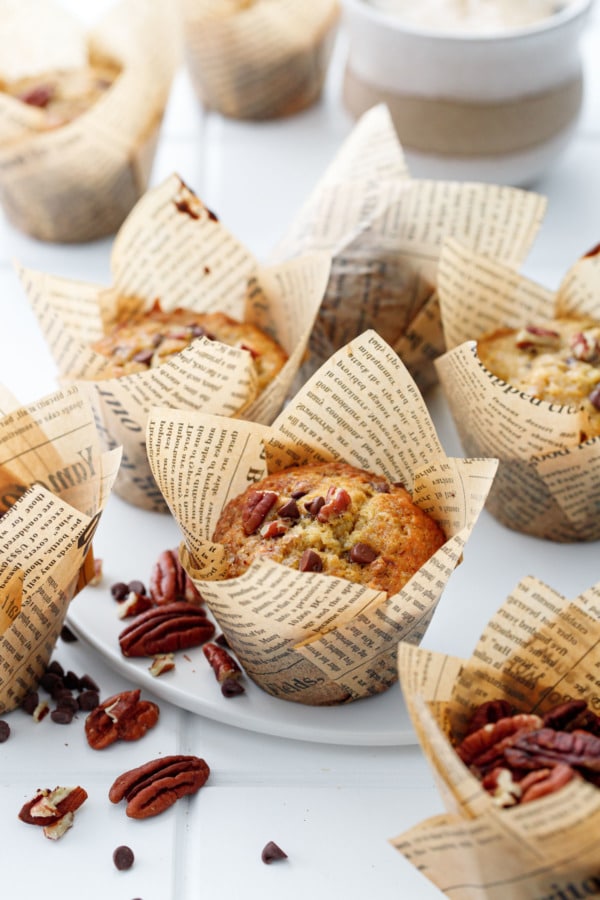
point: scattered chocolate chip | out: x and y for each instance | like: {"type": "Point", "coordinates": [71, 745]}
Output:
{"type": "Point", "coordinates": [301, 492]}
{"type": "Point", "coordinates": [62, 715]}
{"type": "Point", "coordinates": [231, 687]}
{"type": "Point", "coordinates": [4, 731]}
{"type": "Point", "coordinates": [55, 668]}
{"type": "Point", "coordinates": [66, 700]}
{"type": "Point", "coordinates": [289, 510]}
{"type": "Point", "coordinates": [144, 356]}
{"type": "Point", "coordinates": [67, 635]}
{"type": "Point", "coordinates": [222, 641]}
{"type": "Point", "coordinates": [51, 682]}
{"type": "Point", "coordinates": [71, 681]}
{"type": "Point", "coordinates": [87, 683]}
{"type": "Point", "coordinates": [310, 561]}
{"type": "Point", "coordinates": [88, 700]}
{"type": "Point", "coordinates": [123, 857]}
{"type": "Point", "coordinates": [363, 554]}
{"type": "Point", "coordinates": [30, 702]}
{"type": "Point", "coordinates": [119, 590]}
{"type": "Point", "coordinates": [272, 852]}
{"type": "Point", "coordinates": [138, 587]}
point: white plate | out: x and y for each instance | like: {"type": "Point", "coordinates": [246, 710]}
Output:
{"type": "Point", "coordinates": [129, 541]}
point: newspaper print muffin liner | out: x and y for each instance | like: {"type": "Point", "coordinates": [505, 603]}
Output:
{"type": "Point", "coordinates": [54, 483]}
{"type": "Point", "coordinates": [537, 651]}
{"type": "Point", "coordinates": [172, 247]}
{"type": "Point", "coordinates": [548, 481]}
{"type": "Point", "coordinates": [258, 59]}
{"type": "Point", "coordinates": [78, 182]}
{"type": "Point", "coordinates": [304, 636]}
{"type": "Point", "coordinates": [384, 231]}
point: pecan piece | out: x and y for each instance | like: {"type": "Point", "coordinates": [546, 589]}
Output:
{"type": "Point", "coordinates": [122, 717]}
{"type": "Point", "coordinates": [551, 780]}
{"type": "Point", "coordinates": [535, 337]}
{"type": "Point", "coordinates": [258, 505]}
{"type": "Point", "coordinates": [152, 788]}
{"type": "Point", "coordinates": [170, 582]}
{"type": "Point", "coordinates": [165, 629]}
{"type": "Point", "coordinates": [54, 810]}
{"type": "Point", "coordinates": [337, 501]}
{"type": "Point", "coordinates": [222, 663]}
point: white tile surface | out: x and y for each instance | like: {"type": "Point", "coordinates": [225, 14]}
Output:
{"type": "Point", "coordinates": [332, 808]}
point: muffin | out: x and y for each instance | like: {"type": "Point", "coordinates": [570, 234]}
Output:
{"type": "Point", "coordinates": [63, 95]}
{"type": "Point", "coordinates": [557, 361]}
{"type": "Point", "coordinates": [145, 340]}
{"type": "Point", "coordinates": [332, 518]}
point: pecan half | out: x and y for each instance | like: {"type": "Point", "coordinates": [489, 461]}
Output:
{"type": "Point", "coordinates": [487, 712]}
{"type": "Point", "coordinates": [475, 748]}
{"type": "Point", "coordinates": [122, 717]}
{"type": "Point", "coordinates": [170, 582]}
{"type": "Point", "coordinates": [165, 629]}
{"type": "Point", "coordinates": [223, 665]}
{"type": "Point", "coordinates": [546, 747]}
{"type": "Point", "coordinates": [545, 781]}
{"type": "Point", "coordinates": [258, 505]}
{"type": "Point", "coordinates": [152, 788]}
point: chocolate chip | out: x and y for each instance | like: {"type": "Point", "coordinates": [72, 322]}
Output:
{"type": "Point", "coordinates": [144, 356]}
{"type": "Point", "coordinates": [123, 857]}
{"type": "Point", "coordinates": [52, 683]}
{"type": "Point", "coordinates": [382, 487]}
{"type": "Point", "coordinates": [67, 635]}
{"type": "Point", "coordinates": [197, 330]}
{"type": "Point", "coordinates": [66, 700]}
{"type": "Point", "coordinates": [315, 505]}
{"type": "Point", "coordinates": [231, 687]}
{"type": "Point", "coordinates": [62, 715]}
{"type": "Point", "coordinates": [87, 683]}
{"type": "Point", "coordinates": [138, 587]}
{"type": "Point", "coordinates": [55, 668]}
{"type": "Point", "coordinates": [71, 681]}
{"type": "Point", "coordinates": [119, 590]}
{"type": "Point", "coordinates": [363, 554]}
{"type": "Point", "coordinates": [300, 493]}
{"type": "Point", "coordinates": [4, 731]}
{"type": "Point", "coordinates": [88, 700]}
{"type": "Point", "coordinates": [289, 510]}
{"type": "Point", "coordinates": [272, 852]}
{"type": "Point", "coordinates": [221, 640]}
{"type": "Point", "coordinates": [30, 702]}
{"type": "Point", "coordinates": [310, 562]}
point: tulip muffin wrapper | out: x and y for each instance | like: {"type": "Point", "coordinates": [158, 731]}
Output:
{"type": "Point", "coordinates": [537, 651]}
{"type": "Point", "coordinates": [55, 481]}
{"type": "Point", "coordinates": [384, 231]}
{"type": "Point", "coordinates": [548, 481]}
{"type": "Point", "coordinates": [78, 182]}
{"type": "Point", "coordinates": [310, 637]}
{"type": "Point", "coordinates": [172, 248]}
{"type": "Point", "coordinates": [259, 60]}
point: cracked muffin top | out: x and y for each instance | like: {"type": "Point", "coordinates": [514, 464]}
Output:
{"type": "Point", "coordinates": [63, 95]}
{"type": "Point", "coordinates": [331, 518]}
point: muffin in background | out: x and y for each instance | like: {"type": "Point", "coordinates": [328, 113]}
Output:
{"type": "Point", "coordinates": [258, 59]}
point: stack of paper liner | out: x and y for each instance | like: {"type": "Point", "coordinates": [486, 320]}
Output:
{"type": "Point", "coordinates": [537, 651]}
{"type": "Point", "coordinates": [54, 483]}
{"type": "Point", "coordinates": [173, 248]}
{"type": "Point", "coordinates": [385, 230]}
{"type": "Point", "coordinates": [548, 481]}
{"type": "Point", "coordinates": [77, 182]}
{"type": "Point", "coordinates": [258, 59]}
{"type": "Point", "coordinates": [304, 636]}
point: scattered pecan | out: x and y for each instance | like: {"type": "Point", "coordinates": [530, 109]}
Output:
{"type": "Point", "coordinates": [258, 505]}
{"type": "Point", "coordinates": [274, 529]}
{"type": "Point", "coordinates": [562, 715]}
{"type": "Point", "coordinates": [534, 337]}
{"type": "Point", "coordinates": [169, 582]}
{"type": "Point", "coordinates": [163, 662]}
{"type": "Point", "coordinates": [122, 717]}
{"type": "Point", "coordinates": [133, 605]}
{"type": "Point", "coordinates": [152, 788]}
{"type": "Point", "coordinates": [165, 629]}
{"type": "Point", "coordinates": [546, 747]}
{"type": "Point", "coordinates": [223, 664]}
{"type": "Point", "coordinates": [53, 810]}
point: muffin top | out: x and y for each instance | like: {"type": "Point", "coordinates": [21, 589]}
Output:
{"type": "Point", "coordinates": [64, 94]}
{"type": "Point", "coordinates": [331, 518]}
{"type": "Point", "coordinates": [557, 361]}
{"type": "Point", "coordinates": [148, 339]}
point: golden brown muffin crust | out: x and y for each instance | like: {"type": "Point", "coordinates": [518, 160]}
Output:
{"type": "Point", "coordinates": [330, 517]}
{"type": "Point", "coordinates": [148, 339]}
{"type": "Point", "coordinates": [557, 361]}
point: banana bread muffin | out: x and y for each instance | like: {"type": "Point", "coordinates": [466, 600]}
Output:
{"type": "Point", "coordinates": [148, 339]}
{"type": "Point", "coordinates": [557, 361]}
{"type": "Point", "coordinates": [331, 518]}
{"type": "Point", "coordinates": [63, 95]}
